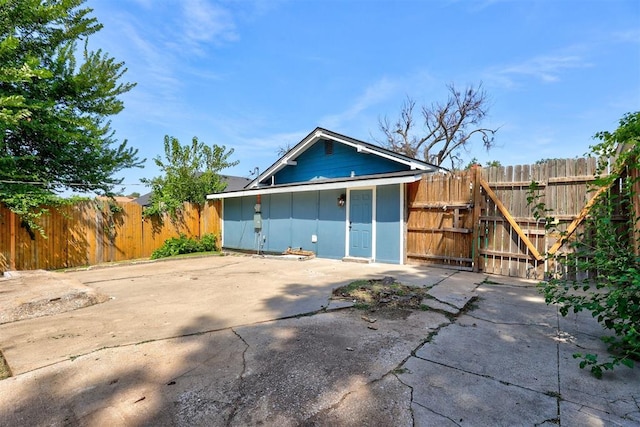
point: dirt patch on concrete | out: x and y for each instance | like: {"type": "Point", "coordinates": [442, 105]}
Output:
{"type": "Point", "coordinates": [29, 294]}
{"type": "Point", "coordinates": [385, 295]}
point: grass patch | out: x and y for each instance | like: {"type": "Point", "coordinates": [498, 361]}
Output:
{"type": "Point", "coordinates": [386, 292]}
{"type": "Point", "coordinates": [5, 372]}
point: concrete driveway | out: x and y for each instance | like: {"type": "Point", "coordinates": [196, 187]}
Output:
{"type": "Point", "coordinates": [254, 341]}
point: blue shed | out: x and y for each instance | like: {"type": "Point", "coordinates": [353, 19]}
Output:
{"type": "Point", "coordinates": [331, 194]}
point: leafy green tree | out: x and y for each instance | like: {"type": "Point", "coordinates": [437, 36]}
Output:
{"type": "Point", "coordinates": [190, 172]}
{"type": "Point", "coordinates": [55, 100]}
{"type": "Point", "coordinates": [489, 164]}
{"type": "Point", "coordinates": [602, 270]}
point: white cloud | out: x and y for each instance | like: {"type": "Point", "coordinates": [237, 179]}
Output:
{"type": "Point", "coordinates": [547, 68]}
{"type": "Point", "coordinates": [628, 36]}
{"type": "Point", "coordinates": [275, 141]}
{"type": "Point", "coordinates": [205, 22]}
{"type": "Point", "coordinates": [372, 95]}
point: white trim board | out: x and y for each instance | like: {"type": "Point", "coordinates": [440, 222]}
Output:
{"type": "Point", "coordinates": [365, 183]}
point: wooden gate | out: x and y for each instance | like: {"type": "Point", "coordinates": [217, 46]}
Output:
{"type": "Point", "coordinates": [440, 219]}
{"type": "Point", "coordinates": [511, 240]}
{"type": "Point", "coordinates": [481, 220]}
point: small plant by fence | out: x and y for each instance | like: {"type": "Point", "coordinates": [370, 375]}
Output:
{"type": "Point", "coordinates": [94, 232]}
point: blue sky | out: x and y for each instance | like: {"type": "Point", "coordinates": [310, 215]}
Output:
{"type": "Point", "coordinates": [258, 75]}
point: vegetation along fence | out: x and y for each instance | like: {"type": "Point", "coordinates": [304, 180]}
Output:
{"type": "Point", "coordinates": [476, 220]}
{"type": "Point", "coordinates": [94, 232]}
{"type": "Point", "coordinates": [480, 219]}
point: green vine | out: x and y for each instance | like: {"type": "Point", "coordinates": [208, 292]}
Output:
{"type": "Point", "coordinates": [110, 211]}
{"type": "Point", "coordinates": [601, 272]}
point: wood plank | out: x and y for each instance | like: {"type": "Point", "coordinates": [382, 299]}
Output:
{"type": "Point", "coordinates": [441, 230]}
{"type": "Point", "coordinates": [571, 179]}
{"type": "Point", "coordinates": [509, 218]}
{"type": "Point", "coordinates": [505, 254]}
{"type": "Point", "coordinates": [514, 184]}
{"type": "Point", "coordinates": [439, 257]}
{"type": "Point", "coordinates": [475, 219]}
{"type": "Point", "coordinates": [442, 205]}
{"type": "Point", "coordinates": [12, 230]}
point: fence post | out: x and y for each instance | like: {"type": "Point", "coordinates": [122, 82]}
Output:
{"type": "Point", "coordinates": [476, 200]}
{"type": "Point", "coordinates": [12, 255]}
{"type": "Point", "coordinates": [634, 174]}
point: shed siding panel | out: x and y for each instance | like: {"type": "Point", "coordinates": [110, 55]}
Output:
{"type": "Point", "coordinates": [388, 224]}
{"type": "Point", "coordinates": [331, 225]}
{"type": "Point", "coordinates": [278, 220]}
{"type": "Point", "coordinates": [315, 164]}
{"type": "Point", "coordinates": [238, 223]}
{"type": "Point", "coordinates": [304, 219]}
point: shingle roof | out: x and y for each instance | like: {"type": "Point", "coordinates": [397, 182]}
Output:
{"type": "Point", "coordinates": [234, 183]}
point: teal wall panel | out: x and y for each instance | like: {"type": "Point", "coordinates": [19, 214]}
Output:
{"type": "Point", "coordinates": [238, 223]}
{"type": "Point", "coordinates": [278, 221]}
{"type": "Point", "coordinates": [304, 215]}
{"type": "Point", "coordinates": [388, 223]}
{"type": "Point", "coordinates": [314, 163]}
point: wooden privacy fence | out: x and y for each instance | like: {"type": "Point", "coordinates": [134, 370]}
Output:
{"type": "Point", "coordinates": [480, 219]}
{"type": "Point", "coordinates": [93, 232]}
{"type": "Point", "coordinates": [440, 220]}
{"type": "Point", "coordinates": [472, 220]}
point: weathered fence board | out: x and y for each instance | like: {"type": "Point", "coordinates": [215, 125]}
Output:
{"type": "Point", "coordinates": [440, 220]}
{"type": "Point", "coordinates": [94, 232]}
{"type": "Point", "coordinates": [505, 238]}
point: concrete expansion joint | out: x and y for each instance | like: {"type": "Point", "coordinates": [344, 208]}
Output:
{"type": "Point", "coordinates": [444, 278]}
{"type": "Point", "coordinates": [493, 322]}
{"type": "Point", "coordinates": [438, 414]}
{"type": "Point", "coordinates": [489, 377]}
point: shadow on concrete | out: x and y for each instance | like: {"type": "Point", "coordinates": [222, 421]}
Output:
{"type": "Point", "coordinates": [310, 369]}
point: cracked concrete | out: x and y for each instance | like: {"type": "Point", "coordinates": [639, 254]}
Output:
{"type": "Point", "coordinates": [244, 341]}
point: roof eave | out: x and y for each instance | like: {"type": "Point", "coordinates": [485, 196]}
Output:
{"type": "Point", "coordinates": [311, 186]}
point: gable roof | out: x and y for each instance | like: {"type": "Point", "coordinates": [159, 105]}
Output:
{"type": "Point", "coordinates": [412, 170]}
{"type": "Point", "coordinates": [290, 157]}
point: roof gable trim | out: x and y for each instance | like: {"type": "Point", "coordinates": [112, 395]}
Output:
{"type": "Point", "coordinates": [289, 158]}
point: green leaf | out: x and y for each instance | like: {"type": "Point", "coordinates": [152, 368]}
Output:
{"type": "Point", "coordinates": [627, 362]}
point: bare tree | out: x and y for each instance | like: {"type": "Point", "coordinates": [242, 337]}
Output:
{"type": "Point", "coordinates": [283, 149]}
{"type": "Point", "coordinates": [447, 128]}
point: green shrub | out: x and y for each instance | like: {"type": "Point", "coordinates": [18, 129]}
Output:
{"type": "Point", "coordinates": [208, 242]}
{"type": "Point", "coordinates": [184, 245]}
